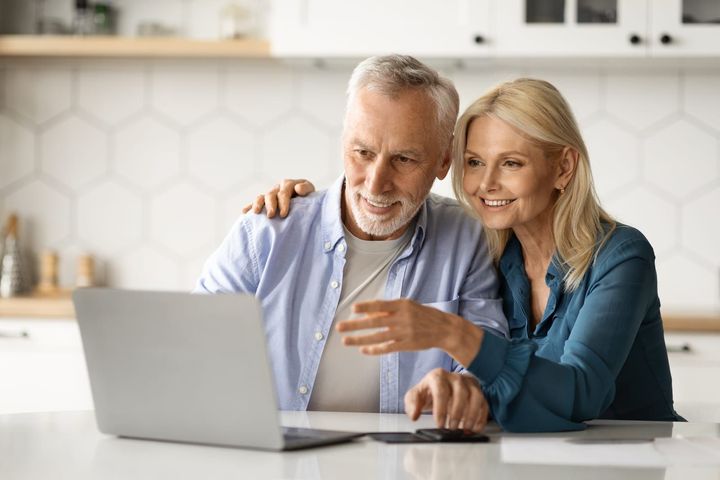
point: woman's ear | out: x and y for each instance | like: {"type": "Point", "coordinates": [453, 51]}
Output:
{"type": "Point", "coordinates": [568, 163]}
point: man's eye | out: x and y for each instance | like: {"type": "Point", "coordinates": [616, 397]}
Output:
{"type": "Point", "coordinates": [404, 159]}
{"type": "Point", "coordinates": [362, 152]}
{"type": "Point", "coordinates": [512, 163]}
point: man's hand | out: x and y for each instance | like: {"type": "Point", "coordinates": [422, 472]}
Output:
{"type": "Point", "coordinates": [456, 400]}
{"type": "Point", "coordinates": [409, 326]}
{"type": "Point", "coordinates": [279, 197]}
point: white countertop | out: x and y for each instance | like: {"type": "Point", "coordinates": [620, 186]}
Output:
{"type": "Point", "coordinates": [67, 445]}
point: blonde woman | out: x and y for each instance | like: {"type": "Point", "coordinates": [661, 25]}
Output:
{"type": "Point", "coordinates": [579, 289]}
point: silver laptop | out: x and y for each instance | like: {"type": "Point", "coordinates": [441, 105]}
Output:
{"type": "Point", "coordinates": [184, 367]}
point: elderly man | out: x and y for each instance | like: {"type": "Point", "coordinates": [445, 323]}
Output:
{"type": "Point", "coordinates": [376, 233]}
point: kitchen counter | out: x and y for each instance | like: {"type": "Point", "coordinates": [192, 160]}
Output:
{"type": "Point", "coordinates": [68, 445]}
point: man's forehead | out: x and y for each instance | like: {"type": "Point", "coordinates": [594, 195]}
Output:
{"type": "Point", "coordinates": [411, 110]}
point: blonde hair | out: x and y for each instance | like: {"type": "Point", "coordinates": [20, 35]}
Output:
{"type": "Point", "coordinates": [537, 110]}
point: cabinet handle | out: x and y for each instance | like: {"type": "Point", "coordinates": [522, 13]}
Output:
{"type": "Point", "coordinates": [479, 39]}
{"type": "Point", "coordinates": [666, 39]}
{"type": "Point", "coordinates": [635, 39]}
{"type": "Point", "coordinates": [681, 348]}
{"type": "Point", "coordinates": [14, 334]}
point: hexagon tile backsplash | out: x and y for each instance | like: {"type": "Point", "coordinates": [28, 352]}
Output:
{"type": "Point", "coordinates": [146, 164]}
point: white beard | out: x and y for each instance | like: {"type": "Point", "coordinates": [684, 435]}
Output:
{"type": "Point", "coordinates": [382, 225]}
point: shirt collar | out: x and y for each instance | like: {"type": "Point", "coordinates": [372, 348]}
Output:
{"type": "Point", "coordinates": [332, 226]}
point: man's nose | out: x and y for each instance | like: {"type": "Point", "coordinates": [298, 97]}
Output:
{"type": "Point", "coordinates": [379, 176]}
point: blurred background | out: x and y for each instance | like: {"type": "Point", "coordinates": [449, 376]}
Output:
{"type": "Point", "coordinates": [133, 132]}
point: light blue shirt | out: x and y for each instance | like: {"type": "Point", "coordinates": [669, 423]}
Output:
{"type": "Point", "coordinates": [295, 267]}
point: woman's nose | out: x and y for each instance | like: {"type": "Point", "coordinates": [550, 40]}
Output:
{"type": "Point", "coordinates": [488, 182]}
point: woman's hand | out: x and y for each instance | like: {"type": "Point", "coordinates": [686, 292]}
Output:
{"type": "Point", "coordinates": [279, 197]}
{"type": "Point", "coordinates": [456, 400]}
{"type": "Point", "coordinates": [408, 326]}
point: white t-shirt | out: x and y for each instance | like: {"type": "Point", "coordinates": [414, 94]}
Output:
{"type": "Point", "coordinates": [347, 380]}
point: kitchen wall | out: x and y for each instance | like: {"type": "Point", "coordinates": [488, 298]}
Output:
{"type": "Point", "coordinates": [146, 164]}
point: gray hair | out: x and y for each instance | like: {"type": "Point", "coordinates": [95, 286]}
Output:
{"type": "Point", "coordinates": [393, 74]}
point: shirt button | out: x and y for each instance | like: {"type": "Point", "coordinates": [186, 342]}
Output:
{"type": "Point", "coordinates": [303, 390]}
{"type": "Point", "coordinates": [328, 245]}
{"type": "Point", "coordinates": [341, 248]}
{"type": "Point", "coordinates": [319, 336]}
{"type": "Point", "coordinates": [334, 284]}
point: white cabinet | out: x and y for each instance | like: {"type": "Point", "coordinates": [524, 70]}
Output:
{"type": "Point", "coordinates": [529, 28]}
{"type": "Point", "coordinates": [42, 367]}
{"type": "Point", "coordinates": [695, 374]}
{"type": "Point", "coordinates": [328, 28]}
{"type": "Point", "coordinates": [684, 28]}
{"type": "Point", "coordinates": [496, 28]}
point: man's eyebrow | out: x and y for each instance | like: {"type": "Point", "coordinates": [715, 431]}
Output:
{"type": "Point", "coordinates": [409, 153]}
{"type": "Point", "coordinates": [355, 142]}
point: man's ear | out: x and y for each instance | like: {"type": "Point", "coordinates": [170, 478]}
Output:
{"type": "Point", "coordinates": [567, 166]}
{"type": "Point", "coordinates": [444, 166]}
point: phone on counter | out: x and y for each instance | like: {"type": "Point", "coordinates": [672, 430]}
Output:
{"type": "Point", "coordinates": [448, 435]}
{"type": "Point", "coordinates": [430, 435]}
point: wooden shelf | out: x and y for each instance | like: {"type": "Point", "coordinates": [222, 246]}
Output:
{"type": "Point", "coordinates": [66, 46]}
{"type": "Point", "coordinates": [677, 322]}
{"type": "Point", "coordinates": [39, 306]}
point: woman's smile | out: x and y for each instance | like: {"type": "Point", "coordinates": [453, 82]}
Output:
{"type": "Point", "coordinates": [496, 204]}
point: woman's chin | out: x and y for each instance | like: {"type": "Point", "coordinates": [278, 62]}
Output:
{"type": "Point", "coordinates": [492, 221]}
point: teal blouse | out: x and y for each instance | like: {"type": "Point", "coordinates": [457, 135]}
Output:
{"type": "Point", "coordinates": [598, 352]}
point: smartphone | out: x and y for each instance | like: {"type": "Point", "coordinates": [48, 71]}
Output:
{"type": "Point", "coordinates": [399, 437]}
{"type": "Point", "coordinates": [448, 435]}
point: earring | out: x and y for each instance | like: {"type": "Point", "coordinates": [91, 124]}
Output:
{"type": "Point", "coordinates": [562, 190]}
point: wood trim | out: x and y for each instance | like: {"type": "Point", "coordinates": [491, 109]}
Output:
{"type": "Point", "coordinates": [691, 322]}
{"type": "Point", "coordinates": [67, 46]}
{"type": "Point", "coordinates": [57, 305]}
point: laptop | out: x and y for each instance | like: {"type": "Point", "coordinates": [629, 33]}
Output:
{"type": "Point", "coordinates": [186, 368]}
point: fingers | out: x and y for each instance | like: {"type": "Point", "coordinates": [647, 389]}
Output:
{"type": "Point", "coordinates": [371, 339]}
{"type": "Point", "coordinates": [271, 201]}
{"type": "Point", "coordinates": [247, 208]}
{"type": "Point", "coordinates": [417, 399]}
{"type": "Point", "coordinates": [285, 193]}
{"type": "Point", "coordinates": [483, 418]}
{"type": "Point", "coordinates": [304, 187]}
{"type": "Point", "coordinates": [458, 401]}
{"type": "Point", "coordinates": [440, 390]}
{"type": "Point", "coordinates": [378, 306]}
{"type": "Point", "coordinates": [368, 321]}
{"type": "Point", "coordinates": [258, 204]}
{"type": "Point", "coordinates": [474, 407]}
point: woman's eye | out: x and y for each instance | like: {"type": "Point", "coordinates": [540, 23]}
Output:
{"type": "Point", "coordinates": [512, 163]}
{"type": "Point", "coordinates": [473, 162]}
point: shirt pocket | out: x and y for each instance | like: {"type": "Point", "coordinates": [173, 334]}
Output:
{"type": "Point", "coordinates": [450, 306]}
